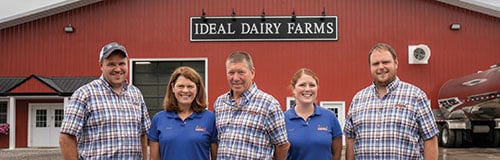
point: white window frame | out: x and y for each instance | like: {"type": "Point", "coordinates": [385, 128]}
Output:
{"type": "Point", "coordinates": [289, 102]}
{"type": "Point", "coordinates": [340, 106]}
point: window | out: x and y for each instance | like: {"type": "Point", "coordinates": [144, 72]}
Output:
{"type": "Point", "coordinates": [152, 76]}
{"type": "Point", "coordinates": [290, 101]}
{"type": "Point", "coordinates": [41, 118]}
{"type": "Point", "coordinates": [3, 112]}
{"type": "Point", "coordinates": [337, 107]}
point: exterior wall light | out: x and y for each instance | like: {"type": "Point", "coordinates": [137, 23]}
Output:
{"type": "Point", "coordinates": [69, 29]}
{"type": "Point", "coordinates": [455, 26]}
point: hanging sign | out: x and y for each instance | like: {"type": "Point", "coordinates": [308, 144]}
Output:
{"type": "Point", "coordinates": [269, 28]}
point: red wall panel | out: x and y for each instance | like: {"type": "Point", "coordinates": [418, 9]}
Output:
{"type": "Point", "coordinates": [160, 29]}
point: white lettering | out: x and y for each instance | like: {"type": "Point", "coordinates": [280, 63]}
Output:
{"type": "Point", "coordinates": [212, 28]}
{"type": "Point", "coordinates": [330, 27]}
{"type": "Point", "coordinates": [221, 30]}
{"type": "Point", "coordinates": [277, 27]}
{"type": "Point", "coordinates": [254, 29]}
{"type": "Point", "coordinates": [230, 31]}
{"type": "Point", "coordinates": [308, 28]}
{"type": "Point", "coordinates": [298, 29]}
{"type": "Point", "coordinates": [245, 28]}
{"type": "Point", "coordinates": [203, 28]}
{"type": "Point", "coordinates": [319, 28]}
{"type": "Point", "coordinates": [291, 27]}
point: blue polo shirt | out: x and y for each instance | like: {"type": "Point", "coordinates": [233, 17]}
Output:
{"type": "Point", "coordinates": [312, 139]}
{"type": "Point", "coordinates": [189, 139]}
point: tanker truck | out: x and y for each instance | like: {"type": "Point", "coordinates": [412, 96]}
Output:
{"type": "Point", "coordinates": [469, 110]}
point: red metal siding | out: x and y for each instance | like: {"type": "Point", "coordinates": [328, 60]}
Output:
{"type": "Point", "coordinates": [4, 141]}
{"type": "Point", "coordinates": [160, 29]}
{"type": "Point", "coordinates": [22, 123]}
{"type": "Point", "coordinates": [32, 86]}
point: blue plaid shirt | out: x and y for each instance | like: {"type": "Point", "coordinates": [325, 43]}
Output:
{"type": "Point", "coordinates": [252, 129]}
{"type": "Point", "coordinates": [107, 125]}
{"type": "Point", "coordinates": [392, 127]}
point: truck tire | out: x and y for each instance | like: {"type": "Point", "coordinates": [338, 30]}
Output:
{"type": "Point", "coordinates": [495, 138]}
{"type": "Point", "coordinates": [458, 137]}
{"type": "Point", "coordinates": [450, 137]}
{"type": "Point", "coordinates": [447, 136]}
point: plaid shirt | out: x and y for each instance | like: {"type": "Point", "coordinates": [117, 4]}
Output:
{"type": "Point", "coordinates": [107, 125]}
{"type": "Point", "coordinates": [392, 127]}
{"type": "Point", "coordinates": [252, 129]}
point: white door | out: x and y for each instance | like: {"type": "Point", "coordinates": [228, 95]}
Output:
{"type": "Point", "coordinates": [337, 107]}
{"type": "Point", "coordinates": [45, 124]}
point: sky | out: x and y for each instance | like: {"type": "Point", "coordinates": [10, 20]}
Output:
{"type": "Point", "coordinates": [10, 8]}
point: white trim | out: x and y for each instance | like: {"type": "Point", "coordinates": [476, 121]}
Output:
{"type": "Point", "coordinates": [289, 102]}
{"type": "Point", "coordinates": [340, 105]}
{"type": "Point", "coordinates": [38, 97]}
{"type": "Point", "coordinates": [65, 102]}
{"type": "Point", "coordinates": [12, 122]}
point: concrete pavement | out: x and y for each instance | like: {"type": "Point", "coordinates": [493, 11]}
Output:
{"type": "Point", "coordinates": [444, 154]}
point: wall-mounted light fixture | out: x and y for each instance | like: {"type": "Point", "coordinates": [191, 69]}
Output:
{"type": "Point", "coordinates": [293, 15]}
{"type": "Point", "coordinates": [69, 28]}
{"type": "Point", "coordinates": [203, 15]}
{"type": "Point", "coordinates": [323, 14]}
{"type": "Point", "coordinates": [233, 15]}
{"type": "Point", "coordinates": [455, 26]}
{"type": "Point", "coordinates": [263, 15]}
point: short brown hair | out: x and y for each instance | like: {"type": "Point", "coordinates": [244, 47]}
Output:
{"type": "Point", "coordinates": [382, 46]}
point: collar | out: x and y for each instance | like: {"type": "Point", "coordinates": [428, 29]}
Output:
{"type": "Point", "coordinates": [106, 83]}
{"type": "Point", "coordinates": [390, 87]}
{"type": "Point", "coordinates": [245, 95]}
{"type": "Point", "coordinates": [294, 115]}
{"type": "Point", "coordinates": [174, 115]}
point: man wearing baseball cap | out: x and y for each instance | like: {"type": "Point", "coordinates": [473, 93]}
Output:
{"type": "Point", "coordinates": [106, 118]}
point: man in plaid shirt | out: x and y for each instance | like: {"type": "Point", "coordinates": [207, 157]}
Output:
{"type": "Point", "coordinates": [390, 119]}
{"type": "Point", "coordinates": [250, 122]}
{"type": "Point", "coordinates": [106, 118]}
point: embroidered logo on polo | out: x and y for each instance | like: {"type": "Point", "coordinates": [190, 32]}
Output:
{"type": "Point", "coordinates": [400, 105]}
{"type": "Point", "coordinates": [200, 129]}
{"type": "Point", "coordinates": [322, 128]}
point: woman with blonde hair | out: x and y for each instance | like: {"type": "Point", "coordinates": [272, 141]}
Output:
{"type": "Point", "coordinates": [313, 131]}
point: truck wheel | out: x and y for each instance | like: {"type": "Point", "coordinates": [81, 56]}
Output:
{"type": "Point", "coordinates": [495, 138]}
{"type": "Point", "coordinates": [458, 137]}
{"type": "Point", "coordinates": [447, 136]}
{"type": "Point", "coordinates": [440, 139]}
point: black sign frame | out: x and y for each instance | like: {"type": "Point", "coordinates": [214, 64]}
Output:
{"type": "Point", "coordinates": [269, 28]}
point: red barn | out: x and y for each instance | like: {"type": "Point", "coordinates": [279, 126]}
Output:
{"type": "Point", "coordinates": [46, 55]}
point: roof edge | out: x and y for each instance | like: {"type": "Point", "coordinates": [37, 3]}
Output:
{"type": "Point", "coordinates": [44, 12]}
{"type": "Point", "coordinates": [474, 5]}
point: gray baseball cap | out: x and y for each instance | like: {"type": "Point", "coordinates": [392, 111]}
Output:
{"type": "Point", "coordinates": [110, 48]}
